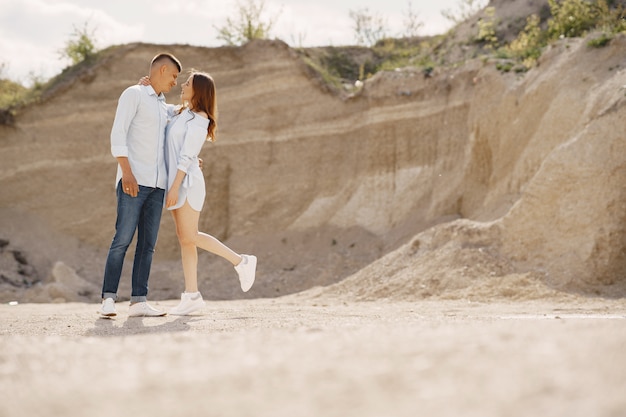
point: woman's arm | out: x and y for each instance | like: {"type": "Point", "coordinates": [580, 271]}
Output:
{"type": "Point", "coordinates": [195, 138]}
{"type": "Point", "coordinates": [172, 194]}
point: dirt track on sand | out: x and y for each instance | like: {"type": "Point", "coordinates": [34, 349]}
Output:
{"type": "Point", "coordinates": [298, 356]}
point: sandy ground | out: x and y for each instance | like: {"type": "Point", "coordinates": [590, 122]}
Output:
{"type": "Point", "coordinates": [299, 356]}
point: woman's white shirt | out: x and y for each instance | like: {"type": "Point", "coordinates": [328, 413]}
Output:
{"type": "Point", "coordinates": [185, 135]}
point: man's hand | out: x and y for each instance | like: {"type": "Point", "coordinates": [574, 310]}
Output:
{"type": "Point", "coordinates": [129, 185]}
{"type": "Point", "coordinates": [129, 182]}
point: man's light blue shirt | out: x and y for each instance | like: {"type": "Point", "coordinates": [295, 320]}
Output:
{"type": "Point", "coordinates": [139, 133]}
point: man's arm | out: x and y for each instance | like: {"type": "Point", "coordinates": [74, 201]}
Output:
{"type": "Point", "coordinates": [129, 182]}
{"type": "Point", "coordinates": [126, 110]}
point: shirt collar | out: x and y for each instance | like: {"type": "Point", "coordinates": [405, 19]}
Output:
{"type": "Point", "coordinates": [151, 92]}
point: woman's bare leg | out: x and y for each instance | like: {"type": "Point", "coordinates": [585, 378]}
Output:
{"type": "Point", "coordinates": [186, 220]}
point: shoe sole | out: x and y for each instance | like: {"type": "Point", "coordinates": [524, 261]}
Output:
{"type": "Point", "coordinates": [186, 312]}
{"type": "Point", "coordinates": [147, 315]}
{"type": "Point", "coordinates": [107, 315]}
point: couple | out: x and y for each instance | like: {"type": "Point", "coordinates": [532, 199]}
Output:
{"type": "Point", "coordinates": [157, 146]}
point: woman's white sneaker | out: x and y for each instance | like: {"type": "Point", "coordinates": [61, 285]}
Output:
{"type": "Point", "coordinates": [189, 303]}
{"type": "Point", "coordinates": [246, 270]}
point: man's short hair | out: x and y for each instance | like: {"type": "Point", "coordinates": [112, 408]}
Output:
{"type": "Point", "coordinates": [167, 57]}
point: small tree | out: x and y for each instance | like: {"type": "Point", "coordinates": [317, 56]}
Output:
{"type": "Point", "coordinates": [412, 24]}
{"type": "Point", "coordinates": [369, 28]}
{"type": "Point", "coordinates": [465, 10]}
{"type": "Point", "coordinates": [81, 45]}
{"type": "Point", "coordinates": [248, 24]}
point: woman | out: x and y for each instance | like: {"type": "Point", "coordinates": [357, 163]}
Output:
{"type": "Point", "coordinates": [190, 126]}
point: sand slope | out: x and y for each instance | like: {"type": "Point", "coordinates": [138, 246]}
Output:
{"type": "Point", "coordinates": [510, 185]}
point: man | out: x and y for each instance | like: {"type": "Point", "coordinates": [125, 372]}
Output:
{"type": "Point", "coordinates": [137, 142]}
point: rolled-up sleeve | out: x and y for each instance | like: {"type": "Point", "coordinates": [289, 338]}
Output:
{"type": "Point", "coordinates": [126, 109]}
{"type": "Point", "coordinates": [192, 145]}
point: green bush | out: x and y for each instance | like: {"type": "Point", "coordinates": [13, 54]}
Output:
{"type": "Point", "coordinates": [340, 63]}
{"type": "Point", "coordinates": [570, 18]}
{"type": "Point", "coordinates": [81, 45]}
{"type": "Point", "coordinates": [487, 29]}
{"type": "Point", "coordinates": [600, 41]}
{"type": "Point", "coordinates": [611, 17]}
{"type": "Point", "coordinates": [396, 53]}
{"type": "Point", "coordinates": [505, 66]}
{"type": "Point", "coordinates": [11, 93]}
{"type": "Point", "coordinates": [527, 47]}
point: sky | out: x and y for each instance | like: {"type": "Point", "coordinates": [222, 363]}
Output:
{"type": "Point", "coordinates": [32, 32]}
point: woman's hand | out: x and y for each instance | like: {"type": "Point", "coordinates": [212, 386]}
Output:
{"type": "Point", "coordinates": [145, 80]}
{"type": "Point", "coordinates": [172, 197]}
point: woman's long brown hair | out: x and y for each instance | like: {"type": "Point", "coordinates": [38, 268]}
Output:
{"type": "Point", "coordinates": [204, 99]}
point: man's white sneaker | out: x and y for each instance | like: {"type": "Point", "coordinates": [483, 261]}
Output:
{"type": "Point", "coordinates": [246, 270]}
{"type": "Point", "coordinates": [143, 309]}
{"type": "Point", "coordinates": [107, 309]}
{"type": "Point", "coordinates": [189, 302]}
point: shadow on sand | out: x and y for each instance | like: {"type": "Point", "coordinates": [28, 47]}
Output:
{"type": "Point", "coordinates": [131, 326]}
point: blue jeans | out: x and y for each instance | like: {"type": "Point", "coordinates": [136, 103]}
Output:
{"type": "Point", "coordinates": [141, 213]}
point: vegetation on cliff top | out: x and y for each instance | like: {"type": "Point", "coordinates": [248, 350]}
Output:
{"type": "Point", "coordinates": [344, 68]}
{"type": "Point", "coordinates": [601, 20]}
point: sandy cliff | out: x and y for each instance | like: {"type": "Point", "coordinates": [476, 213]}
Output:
{"type": "Point", "coordinates": [470, 183]}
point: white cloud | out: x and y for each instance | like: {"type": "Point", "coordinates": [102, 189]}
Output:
{"type": "Point", "coordinates": [37, 51]}
{"type": "Point", "coordinates": [25, 60]}
{"type": "Point", "coordinates": [112, 32]}
{"type": "Point", "coordinates": [313, 25]}
{"type": "Point", "coordinates": [204, 8]}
